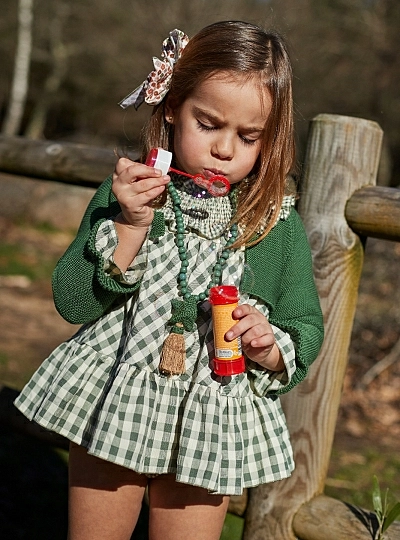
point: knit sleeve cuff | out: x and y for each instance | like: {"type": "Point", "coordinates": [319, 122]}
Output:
{"type": "Point", "coordinates": [106, 242]}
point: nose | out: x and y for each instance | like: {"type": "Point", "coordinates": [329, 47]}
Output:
{"type": "Point", "coordinates": [223, 147]}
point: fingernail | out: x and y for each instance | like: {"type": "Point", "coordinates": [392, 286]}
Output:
{"type": "Point", "coordinates": [229, 335]}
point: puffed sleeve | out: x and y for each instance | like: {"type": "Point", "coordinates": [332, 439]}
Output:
{"type": "Point", "coordinates": [107, 242]}
{"type": "Point", "coordinates": [82, 290]}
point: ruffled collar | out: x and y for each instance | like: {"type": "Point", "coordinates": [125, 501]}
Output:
{"type": "Point", "coordinates": [206, 215]}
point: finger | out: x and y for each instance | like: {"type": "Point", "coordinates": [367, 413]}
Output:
{"type": "Point", "coordinates": [244, 309]}
{"type": "Point", "coordinates": [146, 187]}
{"type": "Point", "coordinates": [258, 335]}
{"type": "Point", "coordinates": [142, 185]}
{"type": "Point", "coordinates": [247, 317]}
{"type": "Point", "coordinates": [138, 207]}
{"type": "Point", "coordinates": [123, 163]}
{"type": "Point", "coordinates": [132, 171]}
{"type": "Point", "coordinates": [239, 328]}
{"type": "Point", "coordinates": [145, 198]}
{"type": "Point", "coordinates": [264, 341]}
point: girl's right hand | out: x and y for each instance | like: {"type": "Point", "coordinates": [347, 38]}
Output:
{"type": "Point", "coordinates": [135, 187]}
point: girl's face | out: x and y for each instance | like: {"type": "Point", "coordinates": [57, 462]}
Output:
{"type": "Point", "coordinates": [218, 129]}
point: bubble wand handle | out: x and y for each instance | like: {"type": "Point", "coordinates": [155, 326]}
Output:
{"type": "Point", "coordinates": [181, 172]}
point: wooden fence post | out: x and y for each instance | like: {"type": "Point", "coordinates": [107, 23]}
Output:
{"type": "Point", "coordinates": [342, 156]}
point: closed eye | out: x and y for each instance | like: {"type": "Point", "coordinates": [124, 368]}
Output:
{"type": "Point", "coordinates": [245, 140]}
{"type": "Point", "coordinates": [205, 127]}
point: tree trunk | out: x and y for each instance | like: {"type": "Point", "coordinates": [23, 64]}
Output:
{"type": "Point", "coordinates": [59, 65]}
{"type": "Point", "coordinates": [19, 90]}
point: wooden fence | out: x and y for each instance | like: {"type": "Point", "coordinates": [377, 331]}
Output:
{"type": "Point", "coordinates": [339, 205]}
{"type": "Point", "coordinates": [337, 194]}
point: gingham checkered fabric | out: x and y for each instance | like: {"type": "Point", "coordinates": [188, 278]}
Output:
{"type": "Point", "coordinates": [102, 389]}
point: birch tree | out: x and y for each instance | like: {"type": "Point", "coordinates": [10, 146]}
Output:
{"type": "Point", "coordinates": [58, 57]}
{"type": "Point", "coordinates": [20, 83]}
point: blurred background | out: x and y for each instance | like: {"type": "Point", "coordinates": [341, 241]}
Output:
{"type": "Point", "coordinates": [65, 65]}
{"type": "Point", "coordinates": [86, 55]}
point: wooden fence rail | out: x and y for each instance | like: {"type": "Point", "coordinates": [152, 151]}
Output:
{"type": "Point", "coordinates": [339, 203]}
{"type": "Point", "coordinates": [375, 211]}
{"type": "Point", "coordinates": [77, 164]}
{"type": "Point", "coordinates": [371, 211]}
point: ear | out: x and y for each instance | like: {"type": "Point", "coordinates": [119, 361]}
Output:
{"type": "Point", "coordinates": [169, 112]}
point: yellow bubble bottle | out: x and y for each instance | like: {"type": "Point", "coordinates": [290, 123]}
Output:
{"type": "Point", "coordinates": [228, 359]}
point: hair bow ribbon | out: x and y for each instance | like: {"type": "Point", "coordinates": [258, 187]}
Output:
{"type": "Point", "coordinates": [157, 83]}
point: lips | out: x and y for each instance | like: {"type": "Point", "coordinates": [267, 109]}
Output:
{"type": "Point", "coordinates": [208, 173]}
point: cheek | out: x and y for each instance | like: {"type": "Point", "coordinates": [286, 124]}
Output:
{"type": "Point", "coordinates": [186, 143]}
{"type": "Point", "coordinates": [251, 158]}
{"type": "Point", "coordinates": [184, 149]}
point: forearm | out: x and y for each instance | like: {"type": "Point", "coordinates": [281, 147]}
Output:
{"type": "Point", "coordinates": [130, 240]}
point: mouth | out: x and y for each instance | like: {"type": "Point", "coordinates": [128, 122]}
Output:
{"type": "Point", "coordinates": [209, 173]}
{"type": "Point", "coordinates": [217, 184]}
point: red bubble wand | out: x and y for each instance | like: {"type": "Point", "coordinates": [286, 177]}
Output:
{"type": "Point", "coordinates": [217, 185]}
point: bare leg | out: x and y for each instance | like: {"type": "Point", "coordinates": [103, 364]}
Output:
{"type": "Point", "coordinates": [180, 511]}
{"type": "Point", "coordinates": [104, 499]}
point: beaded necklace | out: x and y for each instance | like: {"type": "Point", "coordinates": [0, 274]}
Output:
{"type": "Point", "coordinates": [184, 311]}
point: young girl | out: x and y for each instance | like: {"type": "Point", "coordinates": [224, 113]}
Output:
{"type": "Point", "coordinates": [149, 249]}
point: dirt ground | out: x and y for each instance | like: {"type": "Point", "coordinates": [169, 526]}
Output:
{"type": "Point", "coordinates": [30, 327]}
{"type": "Point", "coordinates": [370, 410]}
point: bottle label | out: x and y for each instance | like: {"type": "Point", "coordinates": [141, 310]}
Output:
{"type": "Point", "coordinates": [223, 353]}
{"type": "Point", "coordinates": [222, 322]}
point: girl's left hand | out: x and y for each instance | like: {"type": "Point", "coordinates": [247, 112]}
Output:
{"type": "Point", "coordinates": [258, 340]}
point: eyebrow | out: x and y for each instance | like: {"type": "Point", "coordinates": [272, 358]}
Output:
{"type": "Point", "coordinates": [214, 118]}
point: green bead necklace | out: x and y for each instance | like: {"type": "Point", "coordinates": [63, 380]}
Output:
{"type": "Point", "coordinates": [184, 312]}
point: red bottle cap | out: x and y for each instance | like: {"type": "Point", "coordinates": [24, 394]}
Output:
{"type": "Point", "coordinates": [224, 294]}
{"type": "Point", "coordinates": [229, 367]}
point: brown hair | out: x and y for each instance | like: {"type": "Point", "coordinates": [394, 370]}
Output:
{"type": "Point", "coordinates": [246, 49]}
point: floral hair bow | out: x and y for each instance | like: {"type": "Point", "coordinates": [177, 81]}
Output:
{"type": "Point", "coordinates": [156, 85]}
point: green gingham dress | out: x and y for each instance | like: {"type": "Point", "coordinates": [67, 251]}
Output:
{"type": "Point", "coordinates": [102, 388]}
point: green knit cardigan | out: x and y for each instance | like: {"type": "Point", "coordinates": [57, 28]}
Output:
{"type": "Point", "coordinates": [278, 270]}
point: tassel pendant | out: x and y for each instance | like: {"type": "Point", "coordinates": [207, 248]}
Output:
{"type": "Point", "coordinates": [173, 354]}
